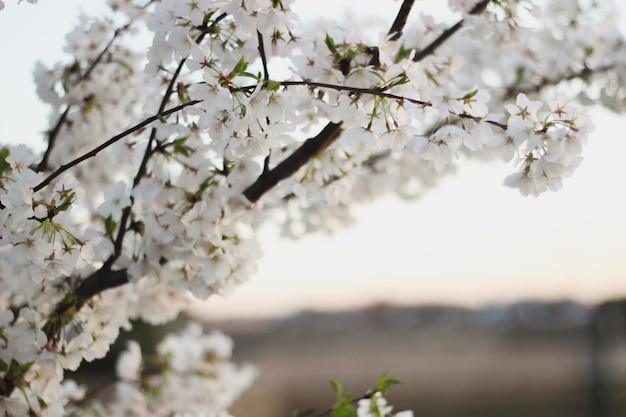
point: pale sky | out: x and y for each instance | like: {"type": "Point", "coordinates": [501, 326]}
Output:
{"type": "Point", "coordinates": [471, 241]}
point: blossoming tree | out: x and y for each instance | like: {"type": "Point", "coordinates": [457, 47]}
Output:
{"type": "Point", "coordinates": [163, 160]}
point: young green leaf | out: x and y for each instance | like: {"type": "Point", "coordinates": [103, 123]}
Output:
{"type": "Point", "coordinates": [110, 225]}
{"type": "Point", "coordinates": [239, 68]}
{"type": "Point", "coordinates": [272, 85]}
{"type": "Point", "coordinates": [330, 43]}
{"type": "Point", "coordinates": [383, 383]}
{"type": "Point", "coordinates": [337, 389]}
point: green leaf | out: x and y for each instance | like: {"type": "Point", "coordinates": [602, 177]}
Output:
{"type": "Point", "coordinates": [4, 154]}
{"type": "Point", "coordinates": [110, 225]}
{"type": "Point", "coordinates": [344, 406]}
{"type": "Point", "coordinates": [383, 383]}
{"type": "Point", "coordinates": [239, 68]}
{"type": "Point", "coordinates": [250, 75]}
{"type": "Point", "coordinates": [330, 43]}
{"type": "Point", "coordinates": [337, 389]}
{"type": "Point", "coordinates": [67, 202]}
{"type": "Point", "coordinates": [519, 74]}
{"type": "Point", "coordinates": [125, 65]}
{"type": "Point", "coordinates": [344, 409]}
{"type": "Point", "coordinates": [272, 85]}
{"type": "Point", "coordinates": [403, 53]}
{"type": "Point", "coordinates": [469, 95]}
{"type": "Point", "coordinates": [205, 184]}
{"type": "Point", "coordinates": [180, 147]}
{"type": "Point", "coordinates": [585, 74]}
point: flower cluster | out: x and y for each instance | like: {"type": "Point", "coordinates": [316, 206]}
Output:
{"type": "Point", "coordinates": [190, 375]}
{"type": "Point", "coordinates": [163, 160]}
{"type": "Point", "coordinates": [548, 145]}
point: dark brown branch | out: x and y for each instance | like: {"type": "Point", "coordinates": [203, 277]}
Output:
{"type": "Point", "coordinates": [398, 25]}
{"type": "Point", "coordinates": [547, 82]}
{"type": "Point", "coordinates": [266, 74]}
{"type": "Point", "coordinates": [432, 47]}
{"type": "Point", "coordinates": [98, 282]}
{"type": "Point", "coordinates": [266, 77]}
{"type": "Point", "coordinates": [105, 278]}
{"type": "Point", "coordinates": [150, 149]}
{"type": "Point", "coordinates": [103, 52]}
{"type": "Point", "coordinates": [110, 142]}
{"type": "Point", "coordinates": [379, 92]}
{"type": "Point", "coordinates": [54, 133]}
{"type": "Point", "coordinates": [293, 162]}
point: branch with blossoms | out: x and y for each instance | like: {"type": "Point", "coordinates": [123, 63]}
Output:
{"type": "Point", "coordinates": [168, 207]}
{"type": "Point", "coordinates": [54, 132]}
{"type": "Point", "coordinates": [138, 127]}
{"type": "Point", "coordinates": [107, 278]}
{"type": "Point", "coordinates": [446, 34]}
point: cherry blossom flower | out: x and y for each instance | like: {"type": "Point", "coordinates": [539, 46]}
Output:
{"type": "Point", "coordinates": [115, 199]}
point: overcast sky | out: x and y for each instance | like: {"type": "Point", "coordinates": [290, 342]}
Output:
{"type": "Point", "coordinates": [471, 241]}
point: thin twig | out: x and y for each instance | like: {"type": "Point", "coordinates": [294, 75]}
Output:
{"type": "Point", "coordinates": [53, 134]}
{"type": "Point", "coordinates": [141, 171]}
{"type": "Point", "coordinates": [379, 92]}
{"type": "Point", "coordinates": [432, 47]}
{"type": "Point", "coordinates": [266, 77]}
{"type": "Point", "coordinates": [547, 82]}
{"type": "Point", "coordinates": [106, 278]}
{"type": "Point", "coordinates": [394, 32]}
{"type": "Point", "coordinates": [266, 74]}
{"type": "Point", "coordinates": [110, 142]}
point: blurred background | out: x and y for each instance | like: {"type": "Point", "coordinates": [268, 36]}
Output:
{"type": "Point", "coordinates": [523, 359]}
{"type": "Point", "coordinates": [482, 301]}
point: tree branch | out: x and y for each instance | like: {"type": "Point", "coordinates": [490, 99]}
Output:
{"type": "Point", "coordinates": [547, 82]}
{"type": "Point", "coordinates": [141, 171]}
{"type": "Point", "coordinates": [379, 91]}
{"type": "Point", "coordinates": [293, 162]}
{"type": "Point", "coordinates": [266, 77]}
{"type": "Point", "coordinates": [266, 74]}
{"type": "Point", "coordinates": [432, 47]}
{"type": "Point", "coordinates": [110, 142]}
{"type": "Point", "coordinates": [99, 281]}
{"type": "Point", "coordinates": [401, 18]}
{"type": "Point", "coordinates": [53, 134]}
